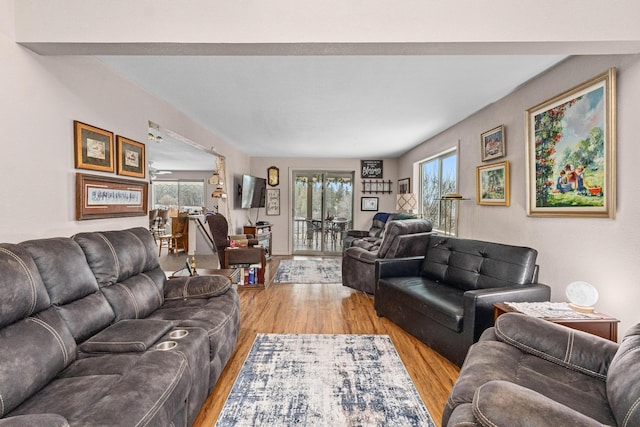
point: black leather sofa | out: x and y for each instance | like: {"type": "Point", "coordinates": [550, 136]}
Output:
{"type": "Point", "coordinates": [528, 371]}
{"type": "Point", "coordinates": [445, 298]}
{"type": "Point", "coordinates": [93, 334]}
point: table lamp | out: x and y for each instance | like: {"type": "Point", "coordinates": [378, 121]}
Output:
{"type": "Point", "coordinates": [582, 296]}
{"type": "Point", "coordinates": [406, 202]}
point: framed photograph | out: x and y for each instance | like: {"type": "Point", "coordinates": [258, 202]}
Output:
{"type": "Point", "coordinates": [493, 144]}
{"type": "Point", "coordinates": [571, 151]}
{"type": "Point", "coordinates": [371, 168]}
{"type": "Point", "coordinates": [108, 197]}
{"type": "Point", "coordinates": [492, 183]}
{"type": "Point", "coordinates": [273, 201]}
{"type": "Point", "coordinates": [93, 147]}
{"type": "Point", "coordinates": [404, 186]}
{"type": "Point", "coordinates": [131, 157]}
{"type": "Point", "coordinates": [369, 203]}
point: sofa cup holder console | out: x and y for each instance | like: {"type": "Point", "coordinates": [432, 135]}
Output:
{"type": "Point", "coordinates": [166, 345]}
{"type": "Point", "coordinates": [178, 333]}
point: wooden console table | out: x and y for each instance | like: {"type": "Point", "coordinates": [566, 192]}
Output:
{"type": "Point", "coordinates": [603, 326]}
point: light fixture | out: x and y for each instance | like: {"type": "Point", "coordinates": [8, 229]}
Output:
{"type": "Point", "coordinates": [406, 202]}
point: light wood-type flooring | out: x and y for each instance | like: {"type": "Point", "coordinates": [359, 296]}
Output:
{"type": "Point", "coordinates": [326, 309]}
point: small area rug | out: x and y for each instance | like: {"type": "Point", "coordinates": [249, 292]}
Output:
{"type": "Point", "coordinates": [317, 270]}
{"type": "Point", "coordinates": [323, 380]}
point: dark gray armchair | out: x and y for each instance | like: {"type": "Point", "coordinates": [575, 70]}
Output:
{"type": "Point", "coordinates": [403, 238]}
{"type": "Point", "coordinates": [528, 371]}
{"type": "Point", "coordinates": [374, 233]}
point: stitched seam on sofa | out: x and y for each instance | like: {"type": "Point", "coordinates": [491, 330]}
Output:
{"type": "Point", "coordinates": [32, 281]}
{"type": "Point", "coordinates": [622, 354]}
{"type": "Point", "coordinates": [143, 245]}
{"type": "Point", "coordinates": [625, 422]}
{"type": "Point", "coordinates": [56, 336]}
{"type": "Point", "coordinates": [185, 288]}
{"type": "Point", "coordinates": [116, 343]}
{"type": "Point", "coordinates": [477, 411]}
{"type": "Point", "coordinates": [1, 406]}
{"type": "Point", "coordinates": [156, 406]}
{"type": "Point", "coordinates": [113, 252]}
{"type": "Point", "coordinates": [133, 299]}
{"type": "Point", "coordinates": [570, 341]}
{"type": "Point", "coordinates": [547, 356]}
{"type": "Point", "coordinates": [221, 325]}
{"type": "Point", "coordinates": [154, 287]}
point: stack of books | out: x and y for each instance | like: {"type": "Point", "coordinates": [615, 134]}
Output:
{"type": "Point", "coordinates": [249, 274]}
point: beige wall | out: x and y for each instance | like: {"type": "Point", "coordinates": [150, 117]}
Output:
{"type": "Point", "coordinates": [600, 251]}
{"type": "Point", "coordinates": [41, 97]}
{"type": "Point", "coordinates": [283, 223]}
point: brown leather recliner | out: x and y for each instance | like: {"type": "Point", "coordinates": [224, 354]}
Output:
{"type": "Point", "coordinates": [219, 227]}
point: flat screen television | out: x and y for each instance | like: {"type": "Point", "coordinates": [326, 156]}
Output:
{"type": "Point", "coordinates": [254, 191]}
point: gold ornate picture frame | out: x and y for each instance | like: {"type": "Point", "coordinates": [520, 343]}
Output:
{"type": "Point", "coordinates": [571, 151]}
{"type": "Point", "coordinates": [93, 147]}
{"type": "Point", "coordinates": [492, 184]}
{"type": "Point", "coordinates": [131, 157]}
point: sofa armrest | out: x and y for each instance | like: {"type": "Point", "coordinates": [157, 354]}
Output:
{"type": "Point", "coordinates": [358, 233]}
{"type": "Point", "coordinates": [361, 254]}
{"type": "Point", "coordinates": [49, 420]}
{"type": "Point", "coordinates": [501, 403]}
{"type": "Point", "coordinates": [572, 349]}
{"type": "Point", "coordinates": [196, 287]}
{"type": "Point", "coordinates": [478, 303]}
{"type": "Point", "coordinates": [399, 267]}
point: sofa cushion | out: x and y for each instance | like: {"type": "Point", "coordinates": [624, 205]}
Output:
{"type": "Point", "coordinates": [143, 389]}
{"type": "Point", "coordinates": [133, 335]}
{"type": "Point", "coordinates": [623, 381]}
{"type": "Point", "coordinates": [71, 285]}
{"type": "Point", "coordinates": [114, 256]}
{"type": "Point", "coordinates": [394, 229]}
{"type": "Point", "coordinates": [501, 403]}
{"type": "Point", "coordinates": [196, 287]}
{"type": "Point", "coordinates": [557, 345]}
{"type": "Point", "coordinates": [443, 304]}
{"type": "Point", "coordinates": [23, 292]}
{"type": "Point", "coordinates": [135, 297]}
{"type": "Point", "coordinates": [33, 351]}
{"type": "Point", "coordinates": [127, 269]}
{"type": "Point", "coordinates": [474, 264]}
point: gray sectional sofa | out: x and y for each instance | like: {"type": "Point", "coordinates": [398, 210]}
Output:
{"type": "Point", "coordinates": [93, 334]}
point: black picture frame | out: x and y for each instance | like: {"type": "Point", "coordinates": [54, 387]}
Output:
{"type": "Point", "coordinates": [369, 204]}
{"type": "Point", "coordinates": [371, 168]}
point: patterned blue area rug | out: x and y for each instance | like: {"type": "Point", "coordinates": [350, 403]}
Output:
{"type": "Point", "coordinates": [323, 380]}
{"type": "Point", "coordinates": [319, 270]}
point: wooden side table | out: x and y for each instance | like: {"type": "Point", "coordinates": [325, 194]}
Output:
{"type": "Point", "coordinates": [251, 255]}
{"type": "Point", "coordinates": [604, 326]}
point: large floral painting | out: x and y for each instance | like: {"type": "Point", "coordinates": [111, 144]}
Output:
{"type": "Point", "coordinates": [571, 152]}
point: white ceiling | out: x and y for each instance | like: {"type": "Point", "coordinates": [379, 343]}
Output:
{"type": "Point", "coordinates": [329, 106]}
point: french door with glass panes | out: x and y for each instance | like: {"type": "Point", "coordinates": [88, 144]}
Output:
{"type": "Point", "coordinates": [322, 210]}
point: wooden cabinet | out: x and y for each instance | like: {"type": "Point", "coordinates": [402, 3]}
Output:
{"type": "Point", "coordinates": [603, 325]}
{"type": "Point", "coordinates": [263, 234]}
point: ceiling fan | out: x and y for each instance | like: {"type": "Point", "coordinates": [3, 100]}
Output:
{"type": "Point", "coordinates": [153, 172]}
